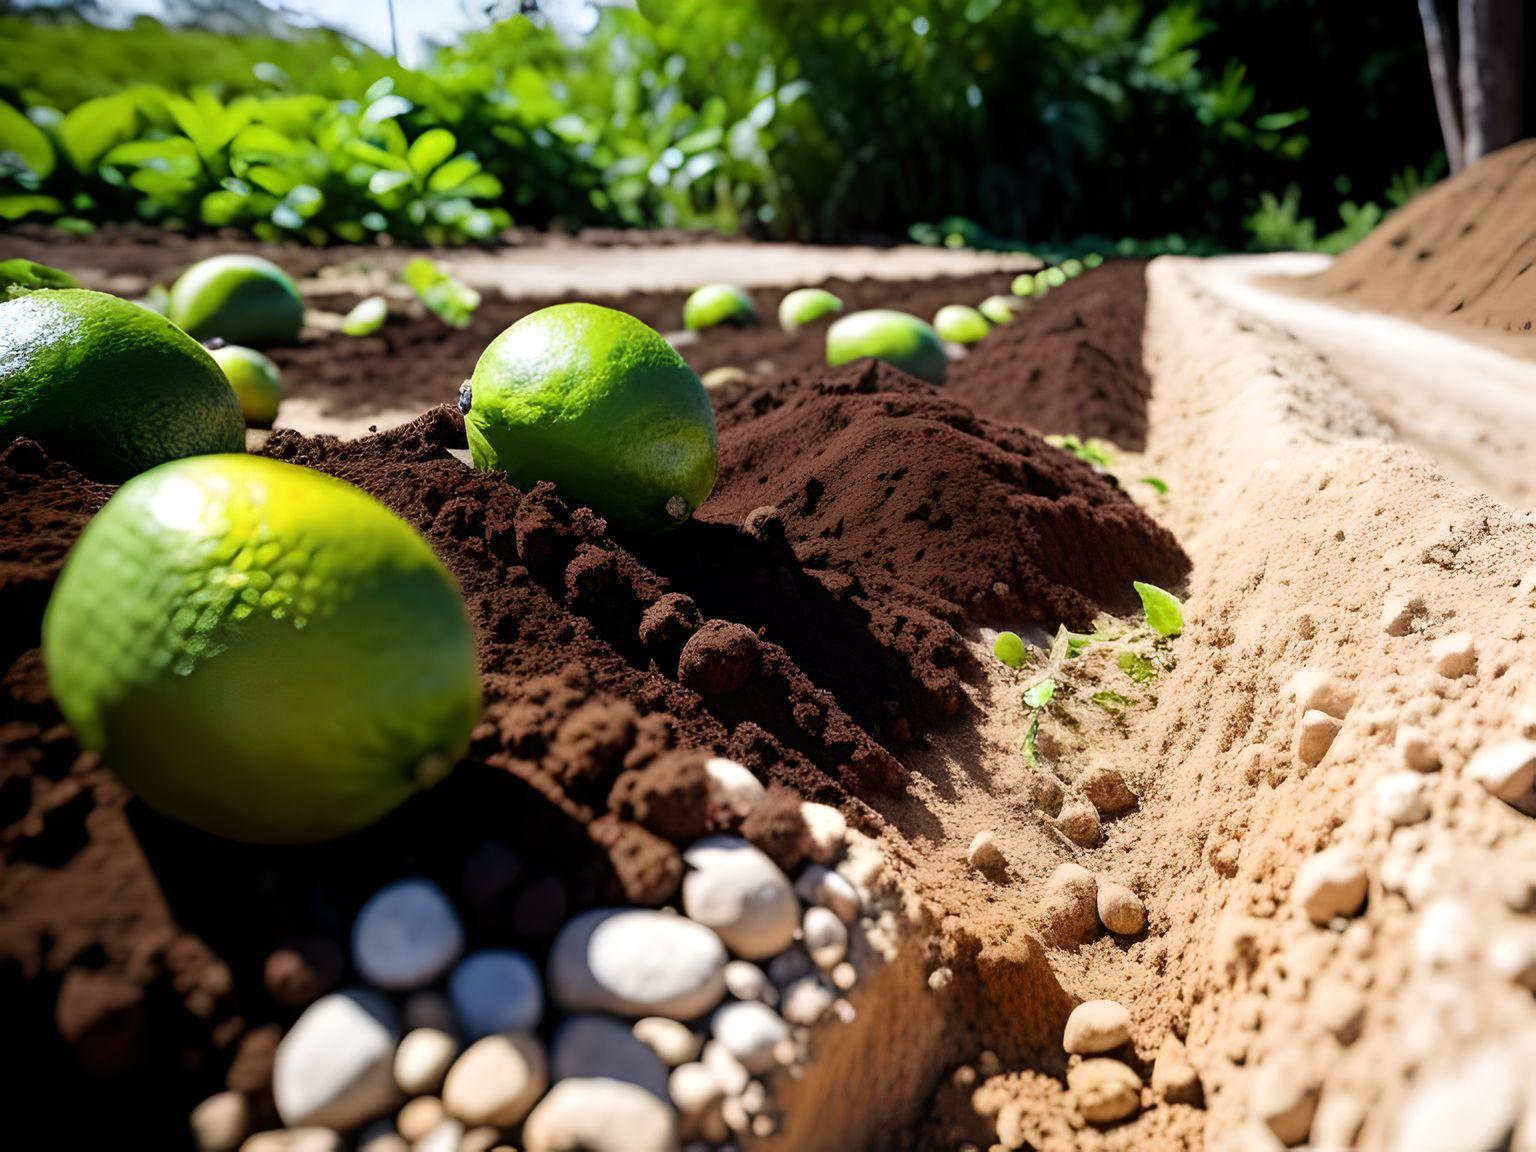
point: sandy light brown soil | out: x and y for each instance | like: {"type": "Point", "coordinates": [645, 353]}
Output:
{"type": "Point", "coordinates": [1463, 252]}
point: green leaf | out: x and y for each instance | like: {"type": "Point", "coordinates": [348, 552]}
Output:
{"type": "Point", "coordinates": [1095, 452]}
{"type": "Point", "coordinates": [24, 143]}
{"type": "Point", "coordinates": [96, 126]}
{"type": "Point", "coordinates": [430, 149]}
{"type": "Point", "coordinates": [1137, 667]}
{"type": "Point", "coordinates": [1111, 702]}
{"type": "Point", "coordinates": [1158, 485]}
{"type": "Point", "coordinates": [378, 157]}
{"type": "Point", "coordinates": [25, 204]}
{"type": "Point", "coordinates": [21, 276]}
{"type": "Point", "coordinates": [1010, 649]}
{"type": "Point", "coordinates": [454, 173]}
{"type": "Point", "coordinates": [367, 317]}
{"type": "Point", "coordinates": [1162, 609]}
{"type": "Point", "coordinates": [1040, 694]}
{"type": "Point", "coordinates": [382, 183]}
{"type": "Point", "coordinates": [452, 302]}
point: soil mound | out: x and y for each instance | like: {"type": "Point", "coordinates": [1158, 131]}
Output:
{"type": "Point", "coordinates": [1070, 362]}
{"type": "Point", "coordinates": [1464, 250]}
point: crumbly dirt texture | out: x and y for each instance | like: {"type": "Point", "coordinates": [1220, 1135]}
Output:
{"type": "Point", "coordinates": [1463, 252]}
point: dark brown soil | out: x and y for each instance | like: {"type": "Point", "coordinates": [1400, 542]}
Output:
{"type": "Point", "coordinates": [807, 623]}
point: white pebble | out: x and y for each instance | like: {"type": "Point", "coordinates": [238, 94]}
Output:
{"type": "Point", "coordinates": [828, 829]}
{"type": "Point", "coordinates": [1471, 1106]}
{"type": "Point", "coordinates": [1454, 656]}
{"type": "Point", "coordinates": [600, 1047]}
{"type": "Point", "coordinates": [1283, 1094]}
{"type": "Point", "coordinates": [496, 990]}
{"type": "Point", "coordinates": [1506, 770]}
{"type": "Point", "coordinates": [807, 1001]}
{"type": "Point", "coordinates": [423, 1059]}
{"type": "Point", "coordinates": [1416, 749]}
{"type": "Point", "coordinates": [419, 1117]}
{"type": "Point", "coordinates": [1448, 934]}
{"type": "Point", "coordinates": [446, 1137]}
{"type": "Point", "coordinates": [1120, 910]}
{"type": "Point", "coordinates": [823, 887]}
{"type": "Point", "coordinates": [1104, 1090]}
{"type": "Point", "coordinates": [307, 1139]}
{"type": "Point", "coordinates": [1317, 689]}
{"type": "Point", "coordinates": [1096, 1026]}
{"type": "Point", "coordinates": [738, 891]}
{"type": "Point", "coordinates": [732, 786]}
{"type": "Point", "coordinates": [1315, 733]}
{"type": "Point", "coordinates": [826, 937]}
{"type": "Point", "coordinates": [335, 1067]}
{"type": "Point", "coordinates": [406, 936]}
{"type": "Point", "coordinates": [1329, 884]}
{"type": "Point", "coordinates": [749, 1030]}
{"type": "Point", "coordinates": [983, 854]}
{"type": "Point", "coordinates": [496, 1081]}
{"type": "Point", "coordinates": [600, 1116]}
{"type": "Point", "coordinates": [1401, 610]}
{"type": "Point", "coordinates": [845, 976]}
{"type": "Point", "coordinates": [381, 1136]}
{"type": "Point", "coordinates": [731, 1073]}
{"type": "Point", "coordinates": [693, 1089]}
{"type": "Point", "coordinates": [1402, 797]}
{"type": "Point", "coordinates": [1512, 954]}
{"type": "Point", "coordinates": [673, 1042]}
{"type": "Point", "coordinates": [220, 1122]}
{"type": "Point", "coordinates": [636, 962]}
{"type": "Point", "coordinates": [746, 981]}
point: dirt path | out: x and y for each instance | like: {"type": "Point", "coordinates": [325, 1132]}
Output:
{"type": "Point", "coordinates": [1468, 406]}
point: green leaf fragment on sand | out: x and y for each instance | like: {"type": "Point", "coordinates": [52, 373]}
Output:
{"type": "Point", "coordinates": [1111, 701]}
{"type": "Point", "coordinates": [367, 317]}
{"type": "Point", "coordinates": [1162, 609]}
{"type": "Point", "coordinates": [1157, 484]}
{"type": "Point", "coordinates": [1031, 740]}
{"type": "Point", "coordinates": [1039, 695]}
{"type": "Point", "coordinates": [1010, 649]}
{"type": "Point", "coordinates": [1137, 667]}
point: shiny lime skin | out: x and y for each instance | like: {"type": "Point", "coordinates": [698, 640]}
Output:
{"type": "Point", "coordinates": [718, 304]}
{"type": "Point", "coordinates": [960, 324]}
{"type": "Point", "coordinates": [895, 337]}
{"type": "Point", "coordinates": [257, 383]}
{"type": "Point", "coordinates": [806, 306]}
{"type": "Point", "coordinates": [109, 386]}
{"type": "Point", "coordinates": [260, 650]}
{"type": "Point", "coordinates": [597, 402]}
{"type": "Point", "coordinates": [239, 298]}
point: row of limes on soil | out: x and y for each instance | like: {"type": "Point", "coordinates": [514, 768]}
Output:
{"type": "Point", "coordinates": [269, 653]}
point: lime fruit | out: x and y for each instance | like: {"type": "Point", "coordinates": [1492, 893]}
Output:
{"type": "Point", "coordinates": [1024, 284]}
{"type": "Point", "coordinates": [718, 304]}
{"type": "Point", "coordinates": [597, 402]}
{"type": "Point", "coordinates": [239, 298]}
{"type": "Point", "coordinates": [18, 276]}
{"type": "Point", "coordinates": [960, 324]}
{"type": "Point", "coordinates": [109, 386]}
{"type": "Point", "coordinates": [1001, 309]}
{"type": "Point", "coordinates": [260, 650]}
{"type": "Point", "coordinates": [806, 306]}
{"type": "Point", "coordinates": [257, 383]}
{"type": "Point", "coordinates": [895, 337]}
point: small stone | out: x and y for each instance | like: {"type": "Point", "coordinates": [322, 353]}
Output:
{"type": "Point", "coordinates": [406, 936]}
{"type": "Point", "coordinates": [1472, 1105]}
{"type": "Point", "coordinates": [496, 990]}
{"type": "Point", "coordinates": [1315, 733]}
{"type": "Point", "coordinates": [382, 1137]}
{"type": "Point", "coordinates": [446, 1137]}
{"type": "Point", "coordinates": [746, 981]}
{"type": "Point", "coordinates": [807, 1001]}
{"type": "Point", "coordinates": [1329, 884]}
{"type": "Point", "coordinates": [420, 1116]}
{"type": "Point", "coordinates": [1416, 750]}
{"type": "Point", "coordinates": [1120, 909]}
{"type": "Point", "coordinates": [845, 976]}
{"type": "Point", "coordinates": [1402, 612]}
{"type": "Point", "coordinates": [480, 1140]}
{"type": "Point", "coordinates": [423, 1059]}
{"type": "Point", "coordinates": [1068, 911]}
{"type": "Point", "coordinates": [731, 1073]}
{"type": "Point", "coordinates": [1105, 788]}
{"type": "Point", "coordinates": [732, 786]}
{"type": "Point", "coordinates": [1454, 656]}
{"type": "Point", "coordinates": [693, 1089]}
{"type": "Point", "coordinates": [826, 937]}
{"type": "Point", "coordinates": [1173, 1077]}
{"type": "Point", "coordinates": [984, 855]}
{"type": "Point", "coordinates": [1448, 935]}
{"type": "Point", "coordinates": [1079, 822]}
{"type": "Point", "coordinates": [1317, 689]}
{"type": "Point", "coordinates": [1338, 1006]}
{"type": "Point", "coordinates": [819, 885]}
{"type": "Point", "coordinates": [1283, 1094]}
{"type": "Point", "coordinates": [1512, 954]}
{"type": "Point", "coordinates": [600, 1116]}
{"type": "Point", "coordinates": [496, 1081]}
{"type": "Point", "coordinates": [335, 1067]}
{"type": "Point", "coordinates": [1104, 1090]}
{"type": "Point", "coordinates": [940, 979]}
{"type": "Point", "coordinates": [303, 971]}
{"type": "Point", "coordinates": [307, 1139]}
{"type": "Point", "coordinates": [1096, 1026]}
{"type": "Point", "coordinates": [828, 830]}
{"type": "Point", "coordinates": [600, 1047]}
{"type": "Point", "coordinates": [1506, 770]}
{"type": "Point", "coordinates": [749, 1030]}
{"type": "Point", "coordinates": [743, 895]}
{"type": "Point", "coordinates": [635, 962]}
{"type": "Point", "coordinates": [220, 1122]}
{"type": "Point", "coordinates": [1402, 798]}
{"type": "Point", "coordinates": [674, 1043]}
{"type": "Point", "coordinates": [719, 659]}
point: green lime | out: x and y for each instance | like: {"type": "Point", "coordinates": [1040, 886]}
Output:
{"type": "Point", "coordinates": [257, 383]}
{"type": "Point", "coordinates": [960, 324]}
{"type": "Point", "coordinates": [109, 386]}
{"type": "Point", "coordinates": [718, 304]}
{"type": "Point", "coordinates": [601, 405]}
{"type": "Point", "coordinates": [260, 650]}
{"type": "Point", "coordinates": [1071, 268]}
{"type": "Point", "coordinates": [895, 337]}
{"type": "Point", "coordinates": [806, 306]}
{"type": "Point", "coordinates": [1001, 309]}
{"type": "Point", "coordinates": [18, 276]}
{"type": "Point", "coordinates": [239, 298]}
{"type": "Point", "coordinates": [1023, 284]}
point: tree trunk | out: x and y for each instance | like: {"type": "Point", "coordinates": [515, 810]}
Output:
{"type": "Point", "coordinates": [1442, 74]}
{"type": "Point", "coordinates": [1492, 81]}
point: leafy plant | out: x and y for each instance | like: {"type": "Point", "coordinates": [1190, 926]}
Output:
{"type": "Point", "coordinates": [1137, 667]}
{"type": "Point", "coordinates": [1162, 610]}
{"type": "Point", "coordinates": [366, 317]}
{"type": "Point", "coordinates": [454, 303]}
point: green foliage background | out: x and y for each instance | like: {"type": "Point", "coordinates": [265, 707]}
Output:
{"type": "Point", "coordinates": [805, 119]}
